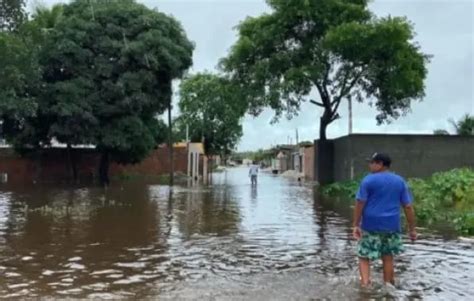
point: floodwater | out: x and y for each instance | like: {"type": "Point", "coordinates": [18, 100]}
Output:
{"type": "Point", "coordinates": [228, 241]}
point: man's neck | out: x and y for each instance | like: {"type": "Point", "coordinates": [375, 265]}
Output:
{"type": "Point", "coordinates": [382, 170]}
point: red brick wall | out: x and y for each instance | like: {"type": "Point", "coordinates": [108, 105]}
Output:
{"type": "Point", "coordinates": [53, 165]}
{"type": "Point", "coordinates": [157, 163]}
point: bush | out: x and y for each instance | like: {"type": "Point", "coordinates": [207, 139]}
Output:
{"type": "Point", "coordinates": [445, 197]}
{"type": "Point", "coordinates": [346, 189]}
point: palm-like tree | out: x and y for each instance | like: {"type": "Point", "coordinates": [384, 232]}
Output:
{"type": "Point", "coordinates": [46, 18]}
{"type": "Point", "coordinates": [464, 126]}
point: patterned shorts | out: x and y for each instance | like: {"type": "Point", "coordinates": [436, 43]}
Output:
{"type": "Point", "coordinates": [374, 245]}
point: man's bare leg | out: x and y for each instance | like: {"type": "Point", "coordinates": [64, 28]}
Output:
{"type": "Point", "coordinates": [364, 269]}
{"type": "Point", "coordinates": [388, 272]}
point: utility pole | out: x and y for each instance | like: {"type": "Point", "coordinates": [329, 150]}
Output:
{"type": "Point", "coordinates": [187, 133]}
{"type": "Point", "coordinates": [297, 140]}
{"type": "Point", "coordinates": [350, 133]}
{"type": "Point", "coordinates": [170, 132]}
{"type": "Point", "coordinates": [189, 151]}
{"type": "Point", "coordinates": [350, 115]}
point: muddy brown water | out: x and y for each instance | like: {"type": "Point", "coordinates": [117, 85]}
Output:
{"type": "Point", "coordinates": [228, 241]}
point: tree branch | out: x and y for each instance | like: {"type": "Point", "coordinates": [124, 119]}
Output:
{"type": "Point", "coordinates": [343, 86]}
{"type": "Point", "coordinates": [352, 84]}
{"type": "Point", "coordinates": [326, 78]}
{"type": "Point", "coordinates": [337, 100]}
{"type": "Point", "coordinates": [336, 107]}
{"type": "Point", "coordinates": [334, 117]}
{"type": "Point", "coordinates": [346, 89]}
{"type": "Point", "coordinates": [324, 96]}
{"type": "Point", "coordinates": [319, 104]}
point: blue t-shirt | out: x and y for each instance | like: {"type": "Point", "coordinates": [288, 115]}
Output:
{"type": "Point", "coordinates": [383, 193]}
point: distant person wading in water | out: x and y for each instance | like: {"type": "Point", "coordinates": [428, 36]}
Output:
{"type": "Point", "coordinates": [377, 218]}
{"type": "Point", "coordinates": [253, 173]}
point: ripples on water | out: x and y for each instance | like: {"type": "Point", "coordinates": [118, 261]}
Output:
{"type": "Point", "coordinates": [133, 240]}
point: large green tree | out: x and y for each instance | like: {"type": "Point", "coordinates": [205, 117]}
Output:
{"type": "Point", "coordinates": [20, 81]}
{"type": "Point", "coordinates": [26, 125]}
{"type": "Point", "coordinates": [19, 72]}
{"type": "Point", "coordinates": [108, 68]}
{"type": "Point", "coordinates": [12, 14]}
{"type": "Point", "coordinates": [212, 110]}
{"type": "Point", "coordinates": [335, 49]}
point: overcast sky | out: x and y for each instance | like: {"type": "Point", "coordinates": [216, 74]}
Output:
{"type": "Point", "coordinates": [444, 29]}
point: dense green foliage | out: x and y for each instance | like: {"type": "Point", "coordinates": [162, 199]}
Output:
{"type": "Point", "coordinates": [440, 132]}
{"type": "Point", "coordinates": [110, 68]}
{"type": "Point", "coordinates": [337, 49]}
{"type": "Point", "coordinates": [212, 111]}
{"type": "Point", "coordinates": [105, 70]}
{"type": "Point", "coordinates": [23, 89]}
{"type": "Point", "coordinates": [345, 189]}
{"type": "Point", "coordinates": [12, 14]}
{"type": "Point", "coordinates": [464, 126]}
{"type": "Point", "coordinates": [444, 198]}
{"type": "Point", "coordinates": [19, 81]}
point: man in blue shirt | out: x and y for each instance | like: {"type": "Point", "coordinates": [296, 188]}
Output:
{"type": "Point", "coordinates": [377, 226]}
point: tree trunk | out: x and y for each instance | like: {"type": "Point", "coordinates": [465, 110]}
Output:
{"type": "Point", "coordinates": [72, 163]}
{"type": "Point", "coordinates": [323, 124]}
{"type": "Point", "coordinates": [104, 169]}
{"type": "Point", "coordinates": [170, 143]}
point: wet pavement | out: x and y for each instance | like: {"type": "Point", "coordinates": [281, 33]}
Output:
{"type": "Point", "coordinates": [228, 241]}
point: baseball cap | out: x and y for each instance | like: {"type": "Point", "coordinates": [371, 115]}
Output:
{"type": "Point", "coordinates": [380, 157]}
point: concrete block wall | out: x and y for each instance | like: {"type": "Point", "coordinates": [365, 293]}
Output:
{"type": "Point", "coordinates": [412, 155]}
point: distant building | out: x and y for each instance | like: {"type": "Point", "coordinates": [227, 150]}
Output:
{"type": "Point", "coordinates": [247, 162]}
{"type": "Point", "coordinates": [308, 161]}
{"type": "Point", "coordinates": [283, 158]}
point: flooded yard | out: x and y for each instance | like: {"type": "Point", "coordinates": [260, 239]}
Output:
{"type": "Point", "coordinates": [227, 241]}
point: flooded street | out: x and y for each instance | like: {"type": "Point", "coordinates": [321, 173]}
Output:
{"type": "Point", "coordinates": [277, 241]}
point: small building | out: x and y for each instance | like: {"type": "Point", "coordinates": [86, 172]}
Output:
{"type": "Point", "coordinates": [308, 161]}
{"type": "Point", "coordinates": [247, 162]}
{"type": "Point", "coordinates": [299, 158]}
{"type": "Point", "coordinates": [195, 157]}
{"type": "Point", "coordinates": [283, 158]}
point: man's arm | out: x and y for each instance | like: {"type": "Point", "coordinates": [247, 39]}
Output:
{"type": "Point", "coordinates": [358, 209]}
{"type": "Point", "coordinates": [410, 215]}
{"type": "Point", "coordinates": [361, 198]}
{"type": "Point", "coordinates": [406, 201]}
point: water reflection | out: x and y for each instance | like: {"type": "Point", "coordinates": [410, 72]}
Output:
{"type": "Point", "coordinates": [139, 240]}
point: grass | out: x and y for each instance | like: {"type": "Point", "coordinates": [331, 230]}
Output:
{"type": "Point", "coordinates": [443, 198]}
